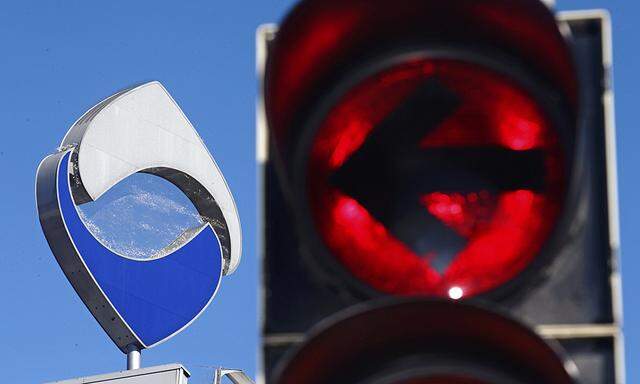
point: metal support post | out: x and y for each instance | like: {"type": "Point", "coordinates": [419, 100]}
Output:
{"type": "Point", "coordinates": [133, 357]}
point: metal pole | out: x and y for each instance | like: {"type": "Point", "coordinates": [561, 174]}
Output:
{"type": "Point", "coordinates": [235, 375]}
{"type": "Point", "coordinates": [133, 357]}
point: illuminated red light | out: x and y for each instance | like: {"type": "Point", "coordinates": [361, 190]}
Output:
{"type": "Point", "coordinates": [466, 213]}
{"type": "Point", "coordinates": [504, 230]}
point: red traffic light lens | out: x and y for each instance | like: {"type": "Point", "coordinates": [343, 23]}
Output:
{"type": "Point", "coordinates": [436, 177]}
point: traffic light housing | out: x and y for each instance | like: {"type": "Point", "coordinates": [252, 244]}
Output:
{"type": "Point", "coordinates": [358, 67]}
{"type": "Point", "coordinates": [418, 341]}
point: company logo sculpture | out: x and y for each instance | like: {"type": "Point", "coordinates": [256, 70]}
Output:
{"type": "Point", "coordinates": [139, 303]}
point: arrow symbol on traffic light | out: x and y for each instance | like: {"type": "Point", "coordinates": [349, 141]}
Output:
{"type": "Point", "coordinates": [389, 173]}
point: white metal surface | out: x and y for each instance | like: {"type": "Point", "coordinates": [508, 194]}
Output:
{"type": "Point", "coordinates": [163, 374]}
{"type": "Point", "coordinates": [143, 128]}
{"type": "Point", "coordinates": [578, 331]}
{"type": "Point", "coordinates": [235, 375]}
{"type": "Point", "coordinates": [264, 34]}
{"type": "Point", "coordinates": [134, 358]}
{"type": "Point", "coordinates": [550, 3]}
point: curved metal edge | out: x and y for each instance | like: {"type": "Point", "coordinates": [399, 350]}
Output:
{"type": "Point", "coordinates": [69, 259]}
{"type": "Point", "coordinates": [192, 232]}
{"type": "Point", "coordinates": [233, 222]}
{"type": "Point", "coordinates": [230, 232]}
{"type": "Point", "coordinates": [75, 268]}
{"type": "Point", "coordinates": [208, 208]}
{"type": "Point", "coordinates": [235, 375]}
{"type": "Point", "coordinates": [204, 308]}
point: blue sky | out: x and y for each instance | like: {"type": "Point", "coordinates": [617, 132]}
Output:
{"type": "Point", "coordinates": [59, 58]}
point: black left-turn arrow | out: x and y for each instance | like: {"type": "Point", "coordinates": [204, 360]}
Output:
{"type": "Point", "coordinates": [390, 172]}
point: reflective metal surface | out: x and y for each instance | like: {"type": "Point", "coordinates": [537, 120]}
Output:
{"type": "Point", "coordinates": [236, 376]}
{"type": "Point", "coordinates": [139, 303]}
{"type": "Point", "coordinates": [142, 129]}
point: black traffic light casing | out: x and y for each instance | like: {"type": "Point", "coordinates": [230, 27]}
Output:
{"type": "Point", "coordinates": [573, 299]}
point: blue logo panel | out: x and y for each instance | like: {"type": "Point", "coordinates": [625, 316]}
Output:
{"type": "Point", "coordinates": [155, 298]}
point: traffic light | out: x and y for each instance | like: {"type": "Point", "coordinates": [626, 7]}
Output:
{"type": "Point", "coordinates": [438, 194]}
